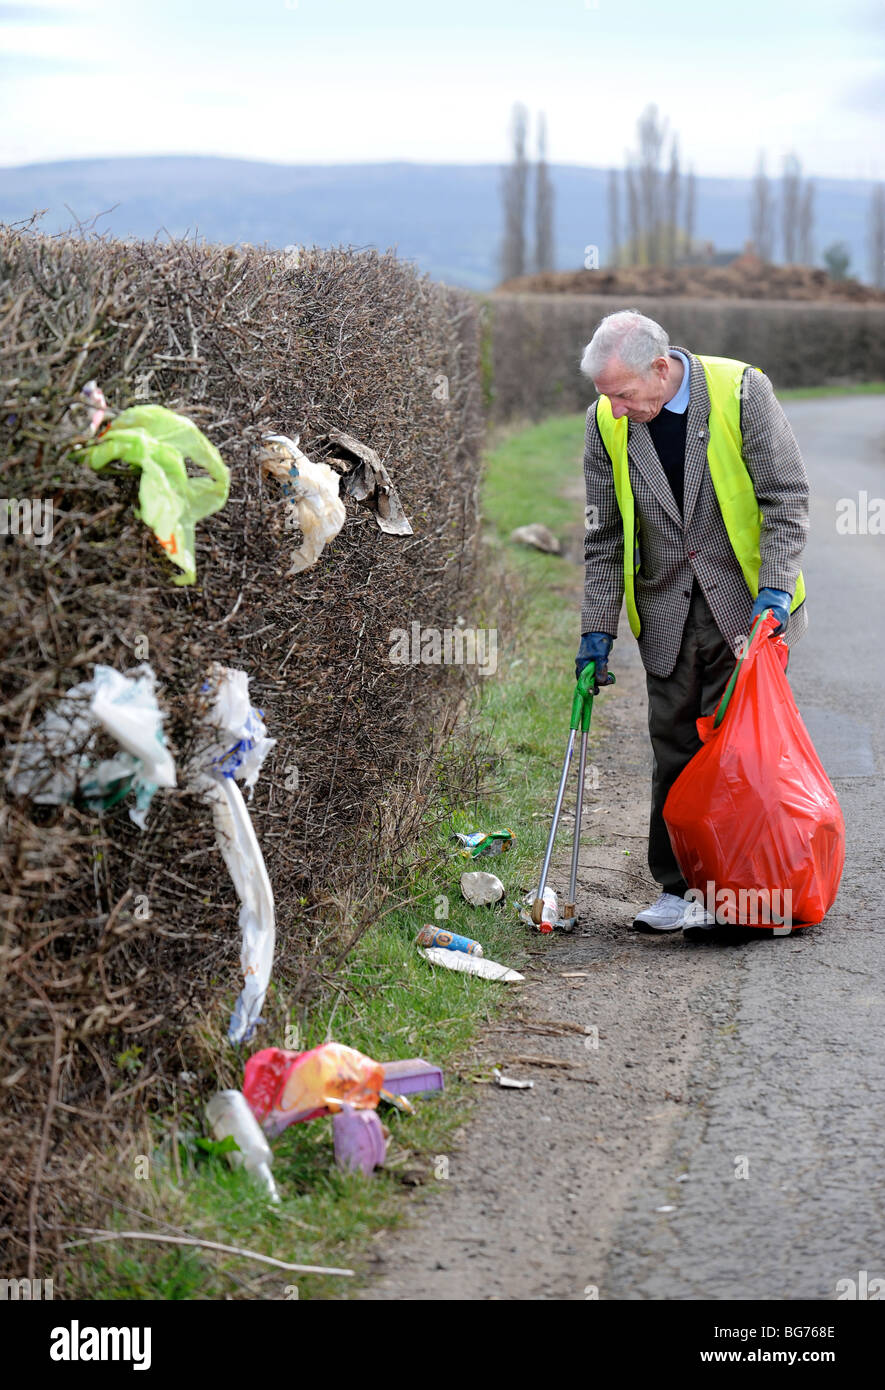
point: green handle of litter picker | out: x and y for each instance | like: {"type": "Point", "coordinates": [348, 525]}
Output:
{"type": "Point", "coordinates": [586, 713]}
{"type": "Point", "coordinates": [582, 703]}
{"type": "Point", "coordinates": [729, 689]}
{"type": "Point", "coordinates": [580, 698]}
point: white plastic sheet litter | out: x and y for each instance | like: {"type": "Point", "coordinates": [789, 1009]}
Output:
{"type": "Point", "coordinates": [239, 747]}
{"type": "Point", "coordinates": [245, 863]}
{"type": "Point", "coordinates": [243, 744]}
{"type": "Point", "coordinates": [56, 763]}
{"type": "Point", "coordinates": [470, 965]}
{"type": "Point", "coordinates": [312, 489]}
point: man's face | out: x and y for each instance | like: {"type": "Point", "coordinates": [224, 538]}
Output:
{"type": "Point", "coordinates": [638, 397]}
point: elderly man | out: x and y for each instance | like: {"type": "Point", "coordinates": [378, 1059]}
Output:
{"type": "Point", "coordinates": [697, 516]}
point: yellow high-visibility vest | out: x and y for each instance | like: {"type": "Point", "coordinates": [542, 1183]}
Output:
{"type": "Point", "coordinates": [731, 479]}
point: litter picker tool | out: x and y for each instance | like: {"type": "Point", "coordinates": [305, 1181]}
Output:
{"type": "Point", "coordinates": [582, 709]}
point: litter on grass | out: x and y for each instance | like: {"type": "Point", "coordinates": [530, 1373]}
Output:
{"type": "Point", "coordinates": [550, 917]}
{"type": "Point", "coordinates": [412, 1076]}
{"type": "Point", "coordinates": [398, 1103]}
{"type": "Point", "coordinates": [57, 765]}
{"type": "Point", "coordinates": [481, 889]}
{"type": "Point", "coordinates": [538, 536]}
{"type": "Point", "coordinates": [229, 1117]}
{"type": "Point", "coordinates": [478, 842]}
{"type": "Point", "coordinates": [470, 965]}
{"type": "Point", "coordinates": [448, 941]}
{"type": "Point", "coordinates": [359, 1140]}
{"type": "Point", "coordinates": [283, 1088]}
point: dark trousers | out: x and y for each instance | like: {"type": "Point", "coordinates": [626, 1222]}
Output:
{"type": "Point", "coordinates": [693, 689]}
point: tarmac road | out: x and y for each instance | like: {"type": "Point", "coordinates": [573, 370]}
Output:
{"type": "Point", "coordinates": [722, 1134]}
{"type": "Point", "coordinates": [798, 1085]}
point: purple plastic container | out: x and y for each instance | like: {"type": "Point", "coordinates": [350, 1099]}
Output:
{"type": "Point", "coordinates": [412, 1076]}
{"type": "Point", "coordinates": [359, 1140]}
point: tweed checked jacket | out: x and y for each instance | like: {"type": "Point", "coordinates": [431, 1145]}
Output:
{"type": "Point", "coordinates": [674, 549]}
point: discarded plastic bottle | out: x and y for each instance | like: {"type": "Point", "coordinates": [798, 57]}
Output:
{"type": "Point", "coordinates": [550, 911]}
{"type": "Point", "coordinates": [449, 941]}
{"type": "Point", "coordinates": [228, 1114]}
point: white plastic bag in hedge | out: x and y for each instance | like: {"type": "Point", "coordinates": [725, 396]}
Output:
{"type": "Point", "coordinates": [238, 754]}
{"type": "Point", "coordinates": [244, 744]}
{"type": "Point", "coordinates": [126, 706]}
{"type": "Point", "coordinates": [56, 764]}
{"type": "Point", "coordinates": [312, 489]}
{"type": "Point", "coordinates": [245, 863]}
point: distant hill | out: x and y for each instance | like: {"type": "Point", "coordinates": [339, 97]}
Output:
{"type": "Point", "coordinates": [444, 217]}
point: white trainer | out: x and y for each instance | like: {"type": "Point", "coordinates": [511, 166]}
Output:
{"type": "Point", "coordinates": [665, 915]}
{"type": "Point", "coordinates": [697, 923]}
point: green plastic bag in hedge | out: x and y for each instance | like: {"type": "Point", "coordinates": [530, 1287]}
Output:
{"type": "Point", "coordinates": [171, 502]}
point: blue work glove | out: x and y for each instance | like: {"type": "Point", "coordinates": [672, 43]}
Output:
{"type": "Point", "coordinates": [779, 603]}
{"type": "Point", "coordinates": [595, 646]}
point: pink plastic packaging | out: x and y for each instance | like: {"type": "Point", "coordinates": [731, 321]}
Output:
{"type": "Point", "coordinates": [283, 1087]}
{"type": "Point", "coordinates": [359, 1140]}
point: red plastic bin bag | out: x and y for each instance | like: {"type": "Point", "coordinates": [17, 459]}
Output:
{"type": "Point", "coordinates": [753, 819]}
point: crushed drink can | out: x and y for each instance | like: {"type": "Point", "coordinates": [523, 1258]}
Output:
{"type": "Point", "coordinates": [447, 941]}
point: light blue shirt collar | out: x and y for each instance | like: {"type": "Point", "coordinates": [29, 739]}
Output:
{"type": "Point", "coordinates": [679, 403]}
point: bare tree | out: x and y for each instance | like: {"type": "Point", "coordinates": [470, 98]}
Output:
{"type": "Point", "coordinates": [634, 247]}
{"type": "Point", "coordinates": [762, 213]}
{"type": "Point", "coordinates": [652, 134]}
{"type": "Point", "coordinates": [806, 224]}
{"type": "Point", "coordinates": [671, 221]}
{"type": "Point", "coordinates": [514, 193]}
{"type": "Point", "coordinates": [877, 236]}
{"type": "Point", "coordinates": [688, 217]}
{"type": "Point", "coordinates": [614, 219]}
{"type": "Point", "coordinates": [654, 195]}
{"type": "Point", "coordinates": [543, 203]}
{"type": "Point", "coordinates": [791, 201]}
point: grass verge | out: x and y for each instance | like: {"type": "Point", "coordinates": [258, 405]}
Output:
{"type": "Point", "coordinates": [387, 1001]}
{"type": "Point", "coordinates": [852, 388]}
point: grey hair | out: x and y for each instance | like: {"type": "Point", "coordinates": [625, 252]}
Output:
{"type": "Point", "coordinates": [628, 335]}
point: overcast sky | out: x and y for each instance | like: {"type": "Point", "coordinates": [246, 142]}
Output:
{"type": "Point", "coordinates": [333, 81]}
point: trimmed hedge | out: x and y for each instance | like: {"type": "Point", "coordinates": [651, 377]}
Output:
{"type": "Point", "coordinates": [102, 1007]}
{"type": "Point", "coordinates": [536, 342]}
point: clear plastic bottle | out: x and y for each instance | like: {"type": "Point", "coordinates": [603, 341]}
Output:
{"type": "Point", "coordinates": [550, 913]}
{"type": "Point", "coordinates": [228, 1113]}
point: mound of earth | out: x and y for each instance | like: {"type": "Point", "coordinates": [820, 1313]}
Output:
{"type": "Point", "coordinates": [746, 277]}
